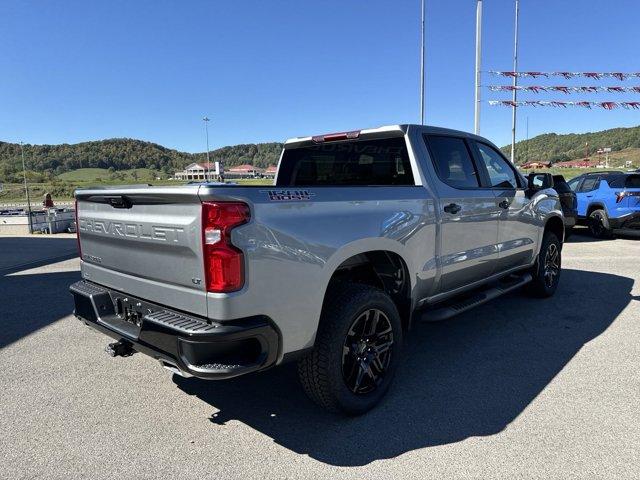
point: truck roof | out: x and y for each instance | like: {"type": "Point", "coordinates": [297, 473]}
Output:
{"type": "Point", "coordinates": [388, 129]}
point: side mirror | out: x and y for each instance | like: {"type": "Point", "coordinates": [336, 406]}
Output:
{"type": "Point", "coordinates": [539, 181]}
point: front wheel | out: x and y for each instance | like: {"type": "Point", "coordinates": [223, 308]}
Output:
{"type": "Point", "coordinates": [546, 272]}
{"type": "Point", "coordinates": [356, 352]}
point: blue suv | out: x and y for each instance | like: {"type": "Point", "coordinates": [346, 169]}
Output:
{"type": "Point", "coordinates": [608, 201]}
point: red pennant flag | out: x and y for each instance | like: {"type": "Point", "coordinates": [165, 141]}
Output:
{"type": "Point", "coordinates": [619, 75]}
{"type": "Point", "coordinates": [534, 74]}
{"type": "Point", "coordinates": [615, 89]}
{"type": "Point", "coordinates": [608, 105]}
{"type": "Point", "coordinates": [593, 75]}
{"type": "Point", "coordinates": [566, 75]}
{"type": "Point", "coordinates": [584, 104]}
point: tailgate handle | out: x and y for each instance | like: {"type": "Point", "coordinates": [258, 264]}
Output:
{"type": "Point", "coordinates": [119, 201]}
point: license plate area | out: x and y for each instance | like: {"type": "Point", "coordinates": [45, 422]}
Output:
{"type": "Point", "coordinates": [128, 313]}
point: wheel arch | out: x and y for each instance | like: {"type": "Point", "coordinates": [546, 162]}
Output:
{"type": "Point", "coordinates": [383, 268]}
{"type": "Point", "coordinates": [555, 225]}
{"type": "Point", "coordinates": [596, 206]}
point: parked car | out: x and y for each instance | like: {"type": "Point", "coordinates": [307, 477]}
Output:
{"type": "Point", "coordinates": [363, 234]}
{"type": "Point", "coordinates": [608, 201]}
{"type": "Point", "coordinates": [569, 202]}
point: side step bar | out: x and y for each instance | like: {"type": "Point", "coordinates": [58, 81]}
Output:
{"type": "Point", "coordinates": [473, 300]}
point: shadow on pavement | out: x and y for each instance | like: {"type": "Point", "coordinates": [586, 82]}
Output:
{"type": "Point", "coordinates": [31, 302]}
{"type": "Point", "coordinates": [470, 376]}
{"type": "Point", "coordinates": [20, 253]}
{"type": "Point", "coordinates": [582, 235]}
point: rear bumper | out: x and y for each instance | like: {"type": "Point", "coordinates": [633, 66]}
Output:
{"type": "Point", "coordinates": [188, 345]}
{"type": "Point", "coordinates": [628, 221]}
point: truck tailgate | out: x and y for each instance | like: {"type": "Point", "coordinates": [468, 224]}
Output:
{"type": "Point", "coordinates": [146, 242]}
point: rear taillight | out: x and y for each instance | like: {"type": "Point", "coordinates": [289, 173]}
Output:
{"type": "Point", "coordinates": [223, 263]}
{"type": "Point", "coordinates": [619, 196]}
{"type": "Point", "coordinates": [77, 230]}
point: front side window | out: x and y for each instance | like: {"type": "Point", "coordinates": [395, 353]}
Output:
{"type": "Point", "coordinates": [573, 183]}
{"type": "Point", "coordinates": [452, 161]}
{"type": "Point", "coordinates": [361, 162]}
{"type": "Point", "coordinates": [501, 175]}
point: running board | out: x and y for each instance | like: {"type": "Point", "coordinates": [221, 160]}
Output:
{"type": "Point", "coordinates": [505, 285]}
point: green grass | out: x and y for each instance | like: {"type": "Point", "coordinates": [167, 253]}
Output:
{"type": "Point", "coordinates": [102, 175]}
{"type": "Point", "coordinates": [253, 181]}
{"type": "Point", "coordinates": [63, 186]}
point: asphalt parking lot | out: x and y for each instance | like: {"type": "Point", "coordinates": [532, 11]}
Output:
{"type": "Point", "coordinates": [517, 388]}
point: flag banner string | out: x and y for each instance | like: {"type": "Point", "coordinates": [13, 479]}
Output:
{"type": "Point", "coordinates": [563, 89]}
{"type": "Point", "coordinates": [560, 104]}
{"type": "Point", "coordinates": [568, 75]}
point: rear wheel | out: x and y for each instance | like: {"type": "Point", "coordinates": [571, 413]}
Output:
{"type": "Point", "coordinates": [599, 224]}
{"type": "Point", "coordinates": [356, 352]}
{"type": "Point", "coordinates": [546, 272]}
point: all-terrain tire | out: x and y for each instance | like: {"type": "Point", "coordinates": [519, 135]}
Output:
{"type": "Point", "coordinates": [599, 224]}
{"type": "Point", "coordinates": [321, 371]}
{"type": "Point", "coordinates": [546, 271]}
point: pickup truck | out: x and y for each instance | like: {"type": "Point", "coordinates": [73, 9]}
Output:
{"type": "Point", "coordinates": [363, 234]}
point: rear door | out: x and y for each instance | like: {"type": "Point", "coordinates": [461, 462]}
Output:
{"type": "Point", "coordinates": [469, 216]}
{"type": "Point", "coordinates": [585, 193]}
{"type": "Point", "coordinates": [517, 232]}
{"type": "Point", "coordinates": [146, 242]}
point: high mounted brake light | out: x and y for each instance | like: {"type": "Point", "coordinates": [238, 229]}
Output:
{"type": "Point", "coordinates": [332, 137]}
{"type": "Point", "coordinates": [223, 262]}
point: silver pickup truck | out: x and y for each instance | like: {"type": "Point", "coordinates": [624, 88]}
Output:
{"type": "Point", "coordinates": [363, 234]}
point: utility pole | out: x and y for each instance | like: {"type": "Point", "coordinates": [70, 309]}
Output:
{"type": "Point", "coordinates": [422, 65]}
{"type": "Point", "coordinates": [478, 62]}
{"type": "Point", "coordinates": [206, 129]}
{"type": "Point", "coordinates": [515, 84]}
{"type": "Point", "coordinates": [26, 188]}
{"type": "Point", "coordinates": [527, 157]}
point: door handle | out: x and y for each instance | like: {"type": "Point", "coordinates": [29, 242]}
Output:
{"type": "Point", "coordinates": [504, 204]}
{"type": "Point", "coordinates": [452, 208]}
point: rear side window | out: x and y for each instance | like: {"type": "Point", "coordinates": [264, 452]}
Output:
{"type": "Point", "coordinates": [452, 161]}
{"type": "Point", "coordinates": [627, 181]}
{"type": "Point", "coordinates": [589, 184]}
{"type": "Point", "coordinates": [632, 181]}
{"type": "Point", "coordinates": [355, 163]}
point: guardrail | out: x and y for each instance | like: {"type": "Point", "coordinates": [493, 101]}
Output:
{"type": "Point", "coordinates": [35, 206]}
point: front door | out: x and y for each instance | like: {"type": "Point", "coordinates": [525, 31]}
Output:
{"type": "Point", "coordinates": [517, 230]}
{"type": "Point", "coordinates": [469, 216]}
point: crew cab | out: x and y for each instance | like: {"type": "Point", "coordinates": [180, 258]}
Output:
{"type": "Point", "coordinates": [363, 234]}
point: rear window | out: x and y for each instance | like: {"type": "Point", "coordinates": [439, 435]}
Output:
{"type": "Point", "coordinates": [355, 163]}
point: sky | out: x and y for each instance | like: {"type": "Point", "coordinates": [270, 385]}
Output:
{"type": "Point", "coordinates": [73, 71]}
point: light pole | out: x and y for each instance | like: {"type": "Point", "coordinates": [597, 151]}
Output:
{"type": "Point", "coordinates": [422, 65]}
{"type": "Point", "coordinates": [206, 129]}
{"type": "Point", "coordinates": [476, 117]}
{"type": "Point", "coordinates": [515, 84]}
{"type": "Point", "coordinates": [26, 188]}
